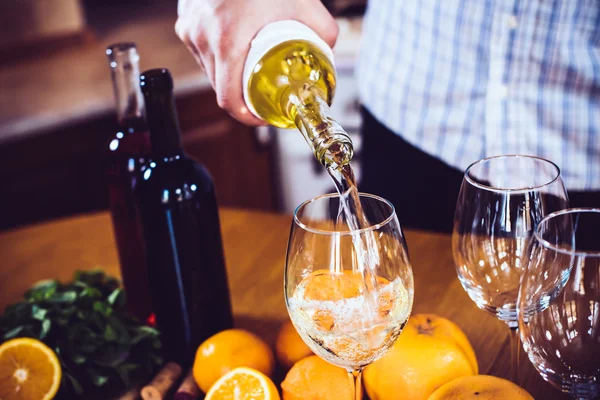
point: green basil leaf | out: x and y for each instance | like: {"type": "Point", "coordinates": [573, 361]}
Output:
{"type": "Point", "coordinates": [92, 278]}
{"type": "Point", "coordinates": [38, 312]}
{"type": "Point", "coordinates": [110, 334]}
{"type": "Point", "coordinates": [78, 359]}
{"type": "Point", "coordinates": [65, 297]}
{"type": "Point", "coordinates": [117, 298]}
{"type": "Point", "coordinates": [66, 312]}
{"type": "Point", "coordinates": [102, 308]}
{"type": "Point", "coordinates": [45, 284]}
{"type": "Point", "coordinates": [74, 384]}
{"type": "Point", "coordinates": [112, 282]}
{"type": "Point", "coordinates": [99, 380]}
{"type": "Point", "coordinates": [142, 333]}
{"type": "Point", "coordinates": [13, 333]}
{"type": "Point", "coordinates": [41, 290]}
{"type": "Point", "coordinates": [91, 293]}
{"type": "Point", "coordinates": [46, 324]}
{"type": "Point", "coordinates": [121, 333]}
{"type": "Point", "coordinates": [80, 284]}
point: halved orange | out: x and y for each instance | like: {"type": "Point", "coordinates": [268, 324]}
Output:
{"type": "Point", "coordinates": [243, 383]}
{"type": "Point", "coordinates": [29, 370]}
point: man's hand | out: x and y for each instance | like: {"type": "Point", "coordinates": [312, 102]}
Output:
{"type": "Point", "coordinates": [218, 33]}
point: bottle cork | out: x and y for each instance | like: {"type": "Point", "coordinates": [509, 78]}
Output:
{"type": "Point", "coordinates": [131, 394]}
{"type": "Point", "coordinates": [188, 390]}
{"type": "Point", "coordinates": [162, 382]}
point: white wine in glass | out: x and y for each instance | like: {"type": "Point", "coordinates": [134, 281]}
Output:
{"type": "Point", "coordinates": [354, 327]}
{"type": "Point", "coordinates": [349, 307]}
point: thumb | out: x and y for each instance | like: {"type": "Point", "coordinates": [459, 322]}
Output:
{"type": "Point", "coordinates": [321, 21]}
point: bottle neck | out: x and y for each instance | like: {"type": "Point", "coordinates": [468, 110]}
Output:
{"type": "Point", "coordinates": [125, 72]}
{"type": "Point", "coordinates": [329, 142]}
{"type": "Point", "coordinates": [163, 124]}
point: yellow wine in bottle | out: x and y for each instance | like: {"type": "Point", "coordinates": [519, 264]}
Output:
{"type": "Point", "coordinates": [289, 81]}
{"type": "Point", "coordinates": [287, 72]}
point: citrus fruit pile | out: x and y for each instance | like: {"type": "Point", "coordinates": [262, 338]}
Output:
{"type": "Point", "coordinates": [432, 360]}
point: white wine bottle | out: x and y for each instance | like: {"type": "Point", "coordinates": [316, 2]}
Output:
{"type": "Point", "coordinates": [289, 81]}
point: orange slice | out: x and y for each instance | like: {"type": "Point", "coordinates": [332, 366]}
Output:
{"type": "Point", "coordinates": [29, 370]}
{"type": "Point", "coordinates": [243, 384]}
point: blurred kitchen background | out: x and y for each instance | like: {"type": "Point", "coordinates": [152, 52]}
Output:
{"type": "Point", "coordinates": [57, 110]}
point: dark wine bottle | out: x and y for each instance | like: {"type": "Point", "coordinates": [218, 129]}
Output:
{"type": "Point", "coordinates": [180, 220]}
{"type": "Point", "coordinates": [129, 149]}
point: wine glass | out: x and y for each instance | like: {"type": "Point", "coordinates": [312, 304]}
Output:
{"type": "Point", "coordinates": [500, 202]}
{"type": "Point", "coordinates": [348, 293]}
{"type": "Point", "coordinates": [559, 302]}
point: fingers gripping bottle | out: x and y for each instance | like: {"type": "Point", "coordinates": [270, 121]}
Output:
{"type": "Point", "coordinates": [289, 81]}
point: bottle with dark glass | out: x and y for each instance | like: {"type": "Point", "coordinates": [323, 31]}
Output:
{"type": "Point", "coordinates": [180, 219]}
{"type": "Point", "coordinates": [129, 150]}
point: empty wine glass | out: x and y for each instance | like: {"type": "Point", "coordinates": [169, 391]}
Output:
{"type": "Point", "coordinates": [348, 293]}
{"type": "Point", "coordinates": [500, 202]}
{"type": "Point", "coordinates": [559, 302]}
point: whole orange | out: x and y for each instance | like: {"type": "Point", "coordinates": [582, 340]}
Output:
{"type": "Point", "coordinates": [430, 352]}
{"type": "Point", "coordinates": [289, 346]}
{"type": "Point", "coordinates": [315, 379]}
{"type": "Point", "coordinates": [480, 387]}
{"type": "Point", "coordinates": [227, 350]}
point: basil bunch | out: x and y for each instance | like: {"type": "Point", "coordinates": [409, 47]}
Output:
{"type": "Point", "coordinates": [101, 348]}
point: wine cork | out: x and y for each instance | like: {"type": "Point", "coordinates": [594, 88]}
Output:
{"type": "Point", "coordinates": [131, 394]}
{"type": "Point", "coordinates": [188, 390]}
{"type": "Point", "coordinates": [162, 382]}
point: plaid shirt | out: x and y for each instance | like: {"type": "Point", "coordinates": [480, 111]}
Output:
{"type": "Point", "coordinates": [467, 79]}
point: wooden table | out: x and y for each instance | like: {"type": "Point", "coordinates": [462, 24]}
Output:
{"type": "Point", "coordinates": [255, 245]}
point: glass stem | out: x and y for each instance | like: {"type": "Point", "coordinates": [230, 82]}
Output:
{"type": "Point", "coordinates": [515, 353]}
{"type": "Point", "coordinates": [356, 382]}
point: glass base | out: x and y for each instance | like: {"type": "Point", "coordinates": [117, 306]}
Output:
{"type": "Point", "coordinates": [575, 386]}
{"type": "Point", "coordinates": [506, 313]}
